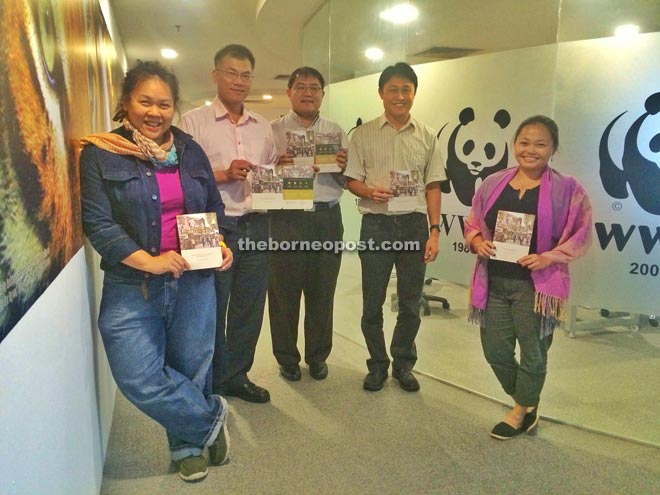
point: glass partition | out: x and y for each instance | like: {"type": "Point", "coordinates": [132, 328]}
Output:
{"type": "Point", "coordinates": [507, 58]}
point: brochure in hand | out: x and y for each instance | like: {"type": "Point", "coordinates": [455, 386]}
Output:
{"type": "Point", "coordinates": [266, 188]}
{"type": "Point", "coordinates": [326, 147]}
{"type": "Point", "coordinates": [288, 187]}
{"type": "Point", "coordinates": [404, 186]}
{"type": "Point", "coordinates": [199, 238]}
{"type": "Point", "coordinates": [513, 235]}
{"type": "Point", "coordinates": [298, 186]}
{"type": "Point", "coordinates": [300, 145]}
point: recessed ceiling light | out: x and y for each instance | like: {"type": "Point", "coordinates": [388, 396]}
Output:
{"type": "Point", "coordinates": [627, 30]}
{"type": "Point", "coordinates": [208, 103]}
{"type": "Point", "coordinates": [169, 53]}
{"type": "Point", "coordinates": [266, 97]}
{"type": "Point", "coordinates": [374, 54]}
{"type": "Point", "coordinates": [400, 14]}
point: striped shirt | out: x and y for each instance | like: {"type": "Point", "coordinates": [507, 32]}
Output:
{"type": "Point", "coordinates": [224, 141]}
{"type": "Point", "coordinates": [327, 187]}
{"type": "Point", "coordinates": [377, 148]}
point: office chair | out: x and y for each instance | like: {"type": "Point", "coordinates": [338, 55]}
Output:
{"type": "Point", "coordinates": [427, 298]}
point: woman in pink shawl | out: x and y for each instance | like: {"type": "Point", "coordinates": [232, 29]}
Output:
{"type": "Point", "coordinates": [524, 299]}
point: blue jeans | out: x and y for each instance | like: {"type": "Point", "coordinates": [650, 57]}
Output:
{"type": "Point", "coordinates": [240, 301]}
{"type": "Point", "coordinates": [376, 269]}
{"type": "Point", "coordinates": [158, 334]}
{"type": "Point", "coordinates": [510, 318]}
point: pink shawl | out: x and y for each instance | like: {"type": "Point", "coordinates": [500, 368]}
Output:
{"type": "Point", "coordinates": [563, 234]}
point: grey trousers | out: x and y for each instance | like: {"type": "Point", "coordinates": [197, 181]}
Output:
{"type": "Point", "coordinates": [510, 319]}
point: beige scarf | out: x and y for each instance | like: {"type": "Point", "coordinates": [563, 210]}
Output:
{"type": "Point", "coordinates": [143, 148]}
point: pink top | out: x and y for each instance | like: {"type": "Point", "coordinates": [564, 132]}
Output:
{"type": "Point", "coordinates": [172, 204]}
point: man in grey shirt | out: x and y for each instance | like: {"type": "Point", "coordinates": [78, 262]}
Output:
{"type": "Point", "coordinates": [309, 272]}
{"type": "Point", "coordinates": [381, 152]}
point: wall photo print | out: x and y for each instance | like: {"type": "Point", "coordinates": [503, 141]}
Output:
{"type": "Point", "coordinates": [49, 87]}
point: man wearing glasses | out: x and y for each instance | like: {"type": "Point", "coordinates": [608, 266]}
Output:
{"type": "Point", "coordinates": [309, 272]}
{"type": "Point", "coordinates": [235, 139]}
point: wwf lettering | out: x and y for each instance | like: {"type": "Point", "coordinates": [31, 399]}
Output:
{"type": "Point", "coordinates": [621, 238]}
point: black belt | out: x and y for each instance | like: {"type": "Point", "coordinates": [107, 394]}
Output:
{"type": "Point", "coordinates": [325, 205]}
{"type": "Point", "coordinates": [400, 218]}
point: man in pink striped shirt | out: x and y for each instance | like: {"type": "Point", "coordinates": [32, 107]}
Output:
{"type": "Point", "coordinates": [235, 139]}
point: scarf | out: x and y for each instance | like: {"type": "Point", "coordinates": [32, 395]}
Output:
{"type": "Point", "coordinates": [161, 156]}
{"type": "Point", "coordinates": [563, 234]}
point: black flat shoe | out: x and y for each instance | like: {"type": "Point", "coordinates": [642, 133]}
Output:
{"type": "Point", "coordinates": [531, 422]}
{"type": "Point", "coordinates": [374, 380]}
{"type": "Point", "coordinates": [504, 431]}
{"type": "Point", "coordinates": [249, 392]}
{"type": "Point", "coordinates": [407, 380]}
{"type": "Point", "coordinates": [291, 372]}
{"type": "Point", "coordinates": [318, 371]}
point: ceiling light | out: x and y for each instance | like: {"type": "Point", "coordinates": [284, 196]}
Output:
{"type": "Point", "coordinates": [266, 97]}
{"type": "Point", "coordinates": [208, 103]}
{"type": "Point", "coordinates": [400, 14]}
{"type": "Point", "coordinates": [169, 53]}
{"type": "Point", "coordinates": [374, 54]}
{"type": "Point", "coordinates": [627, 30]}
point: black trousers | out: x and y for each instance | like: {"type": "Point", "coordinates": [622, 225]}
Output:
{"type": "Point", "coordinates": [309, 272]}
{"type": "Point", "coordinates": [240, 301]}
{"type": "Point", "coordinates": [395, 241]}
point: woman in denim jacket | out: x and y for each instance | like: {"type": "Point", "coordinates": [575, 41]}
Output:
{"type": "Point", "coordinates": [157, 318]}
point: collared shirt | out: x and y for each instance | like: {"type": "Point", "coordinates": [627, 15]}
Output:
{"type": "Point", "coordinates": [377, 148]}
{"type": "Point", "coordinates": [224, 141]}
{"type": "Point", "coordinates": [327, 187]}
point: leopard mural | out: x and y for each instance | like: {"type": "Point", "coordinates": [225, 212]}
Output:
{"type": "Point", "coordinates": [44, 107]}
{"type": "Point", "coordinates": [470, 157]}
{"type": "Point", "coordinates": [638, 171]}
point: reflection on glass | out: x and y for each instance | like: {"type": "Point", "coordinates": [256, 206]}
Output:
{"type": "Point", "coordinates": [606, 378]}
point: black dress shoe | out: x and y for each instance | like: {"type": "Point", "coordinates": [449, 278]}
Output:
{"type": "Point", "coordinates": [249, 392]}
{"type": "Point", "coordinates": [375, 380]}
{"type": "Point", "coordinates": [318, 370]}
{"type": "Point", "coordinates": [291, 372]}
{"type": "Point", "coordinates": [407, 380]}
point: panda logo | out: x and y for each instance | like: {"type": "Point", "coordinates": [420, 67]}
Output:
{"type": "Point", "coordinates": [473, 159]}
{"type": "Point", "coordinates": [637, 171]}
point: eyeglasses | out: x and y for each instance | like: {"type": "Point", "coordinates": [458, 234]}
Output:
{"type": "Point", "coordinates": [302, 88]}
{"type": "Point", "coordinates": [231, 75]}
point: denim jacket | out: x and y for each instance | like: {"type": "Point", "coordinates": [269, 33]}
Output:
{"type": "Point", "coordinates": [121, 209]}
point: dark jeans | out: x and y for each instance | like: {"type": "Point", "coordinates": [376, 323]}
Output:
{"type": "Point", "coordinates": [312, 273]}
{"type": "Point", "coordinates": [240, 301]}
{"type": "Point", "coordinates": [376, 269]}
{"type": "Point", "coordinates": [510, 318]}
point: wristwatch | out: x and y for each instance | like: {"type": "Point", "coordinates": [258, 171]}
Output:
{"type": "Point", "coordinates": [434, 226]}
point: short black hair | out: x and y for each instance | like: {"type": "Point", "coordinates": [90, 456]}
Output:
{"type": "Point", "coordinates": [545, 121]}
{"type": "Point", "coordinates": [305, 71]}
{"type": "Point", "coordinates": [237, 51]}
{"type": "Point", "coordinates": [139, 72]}
{"type": "Point", "coordinates": [400, 69]}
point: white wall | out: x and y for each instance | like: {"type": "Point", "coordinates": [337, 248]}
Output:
{"type": "Point", "coordinates": [56, 391]}
{"type": "Point", "coordinates": [51, 433]}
